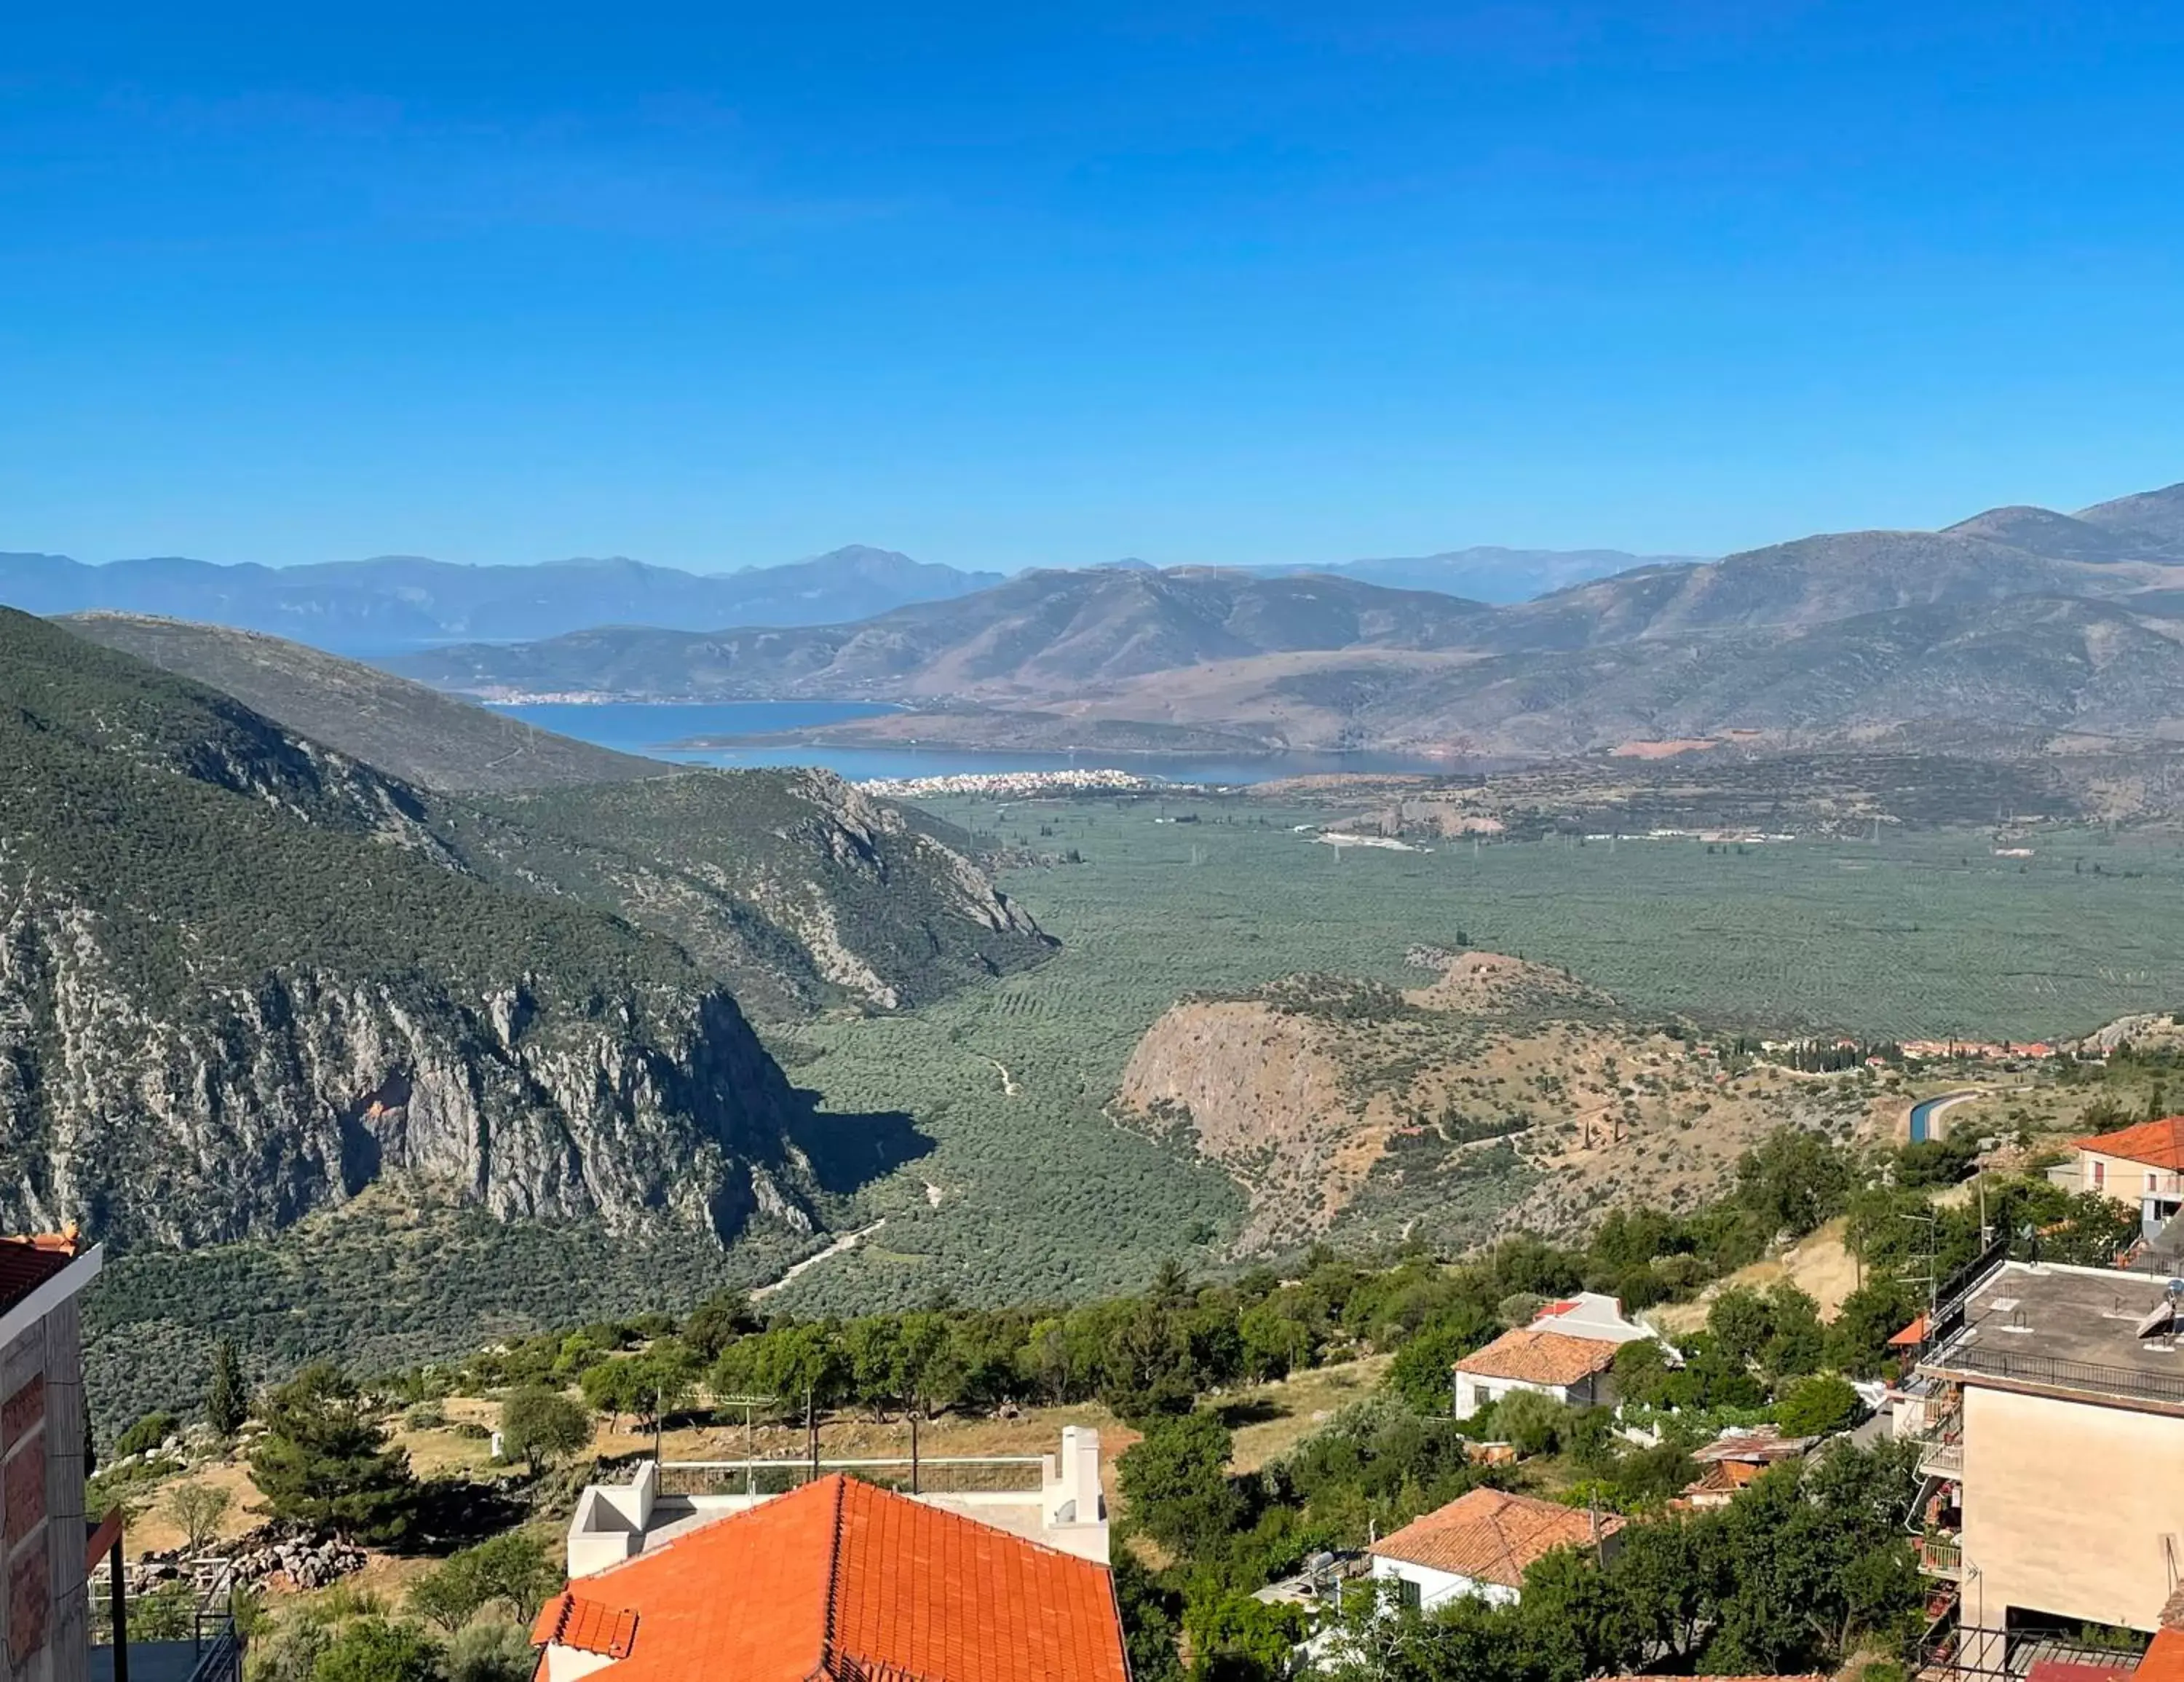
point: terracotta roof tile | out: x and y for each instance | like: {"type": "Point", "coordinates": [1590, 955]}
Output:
{"type": "Point", "coordinates": [845, 1581]}
{"type": "Point", "coordinates": [1490, 1536]}
{"type": "Point", "coordinates": [28, 1261]}
{"type": "Point", "coordinates": [2159, 1144]}
{"type": "Point", "coordinates": [570, 1620]}
{"type": "Point", "coordinates": [2165, 1660]}
{"type": "Point", "coordinates": [1540, 1357]}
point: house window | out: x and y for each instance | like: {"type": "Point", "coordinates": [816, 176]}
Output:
{"type": "Point", "coordinates": [2152, 1181]}
{"type": "Point", "coordinates": [2100, 1173]}
{"type": "Point", "coordinates": [1412, 1596]}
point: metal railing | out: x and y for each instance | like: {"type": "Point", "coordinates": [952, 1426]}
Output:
{"type": "Point", "coordinates": [1939, 1557]}
{"type": "Point", "coordinates": [2052, 1372]}
{"type": "Point", "coordinates": [926, 1474]}
{"type": "Point", "coordinates": [210, 1581]}
{"type": "Point", "coordinates": [1943, 1457]}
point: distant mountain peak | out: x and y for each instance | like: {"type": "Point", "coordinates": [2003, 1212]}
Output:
{"type": "Point", "coordinates": [2158, 514]}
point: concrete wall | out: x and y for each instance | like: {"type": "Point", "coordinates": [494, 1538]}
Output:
{"type": "Point", "coordinates": [1473, 1394]}
{"type": "Point", "coordinates": [1436, 1586]}
{"type": "Point", "coordinates": [44, 1617]}
{"type": "Point", "coordinates": [2123, 1180]}
{"type": "Point", "coordinates": [2069, 1508]}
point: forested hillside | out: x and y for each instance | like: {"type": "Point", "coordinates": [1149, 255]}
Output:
{"type": "Point", "coordinates": [790, 886]}
{"type": "Point", "coordinates": [405, 729]}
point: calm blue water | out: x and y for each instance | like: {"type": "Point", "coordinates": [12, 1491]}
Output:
{"type": "Point", "coordinates": [1922, 1116]}
{"type": "Point", "coordinates": [647, 728]}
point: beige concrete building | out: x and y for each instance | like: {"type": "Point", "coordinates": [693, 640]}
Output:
{"type": "Point", "coordinates": [2141, 1166]}
{"type": "Point", "coordinates": [2050, 1402]}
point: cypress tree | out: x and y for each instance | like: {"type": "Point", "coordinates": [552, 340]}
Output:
{"type": "Point", "coordinates": [227, 1398]}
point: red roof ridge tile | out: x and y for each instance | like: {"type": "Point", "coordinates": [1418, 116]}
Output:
{"type": "Point", "coordinates": [828, 1635]}
{"type": "Point", "coordinates": [66, 1240]}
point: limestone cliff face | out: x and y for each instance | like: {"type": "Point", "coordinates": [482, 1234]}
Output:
{"type": "Point", "coordinates": [250, 1106]}
{"type": "Point", "coordinates": [799, 890]}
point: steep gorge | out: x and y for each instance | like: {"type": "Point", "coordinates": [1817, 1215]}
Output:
{"type": "Point", "coordinates": [240, 978]}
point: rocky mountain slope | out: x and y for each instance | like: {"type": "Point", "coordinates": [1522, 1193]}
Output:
{"type": "Point", "coordinates": [1042, 632]}
{"type": "Point", "coordinates": [794, 890]}
{"type": "Point", "coordinates": [797, 890]}
{"type": "Point", "coordinates": [242, 977]}
{"type": "Point", "coordinates": [1498, 1094]}
{"type": "Point", "coordinates": [2018, 620]}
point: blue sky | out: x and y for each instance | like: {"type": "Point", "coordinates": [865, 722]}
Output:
{"type": "Point", "coordinates": [1005, 286]}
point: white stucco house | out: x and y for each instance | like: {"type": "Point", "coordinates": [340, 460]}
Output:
{"type": "Point", "coordinates": [1568, 1353]}
{"type": "Point", "coordinates": [1479, 1544]}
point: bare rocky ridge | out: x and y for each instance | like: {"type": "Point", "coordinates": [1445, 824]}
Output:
{"type": "Point", "coordinates": [1501, 1096]}
{"type": "Point", "coordinates": [2016, 619]}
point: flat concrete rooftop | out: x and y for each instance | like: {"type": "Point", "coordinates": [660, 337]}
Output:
{"type": "Point", "coordinates": [2035, 1326]}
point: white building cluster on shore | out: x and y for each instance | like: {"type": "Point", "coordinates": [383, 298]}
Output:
{"type": "Point", "coordinates": [1023, 785]}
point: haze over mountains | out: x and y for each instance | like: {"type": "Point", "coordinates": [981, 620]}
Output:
{"type": "Point", "coordinates": [396, 602]}
{"type": "Point", "coordinates": [400, 601]}
{"type": "Point", "coordinates": [2019, 622]}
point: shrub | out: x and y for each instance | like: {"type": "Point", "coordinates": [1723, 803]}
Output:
{"type": "Point", "coordinates": [147, 1434]}
{"type": "Point", "coordinates": [1176, 1480]}
{"type": "Point", "coordinates": [373, 1650]}
{"type": "Point", "coordinates": [1813, 1406]}
{"type": "Point", "coordinates": [490, 1652]}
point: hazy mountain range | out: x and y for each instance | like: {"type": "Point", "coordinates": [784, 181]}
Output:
{"type": "Point", "coordinates": [2016, 621]}
{"type": "Point", "coordinates": [398, 602]}
{"type": "Point", "coordinates": [407, 601]}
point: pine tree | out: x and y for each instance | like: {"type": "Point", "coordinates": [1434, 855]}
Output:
{"type": "Point", "coordinates": [324, 1464]}
{"type": "Point", "coordinates": [227, 1398]}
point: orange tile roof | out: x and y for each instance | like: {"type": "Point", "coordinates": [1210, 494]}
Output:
{"type": "Point", "coordinates": [1489, 1535]}
{"type": "Point", "coordinates": [1540, 1357]}
{"type": "Point", "coordinates": [2163, 1661]}
{"type": "Point", "coordinates": [27, 1261]}
{"type": "Point", "coordinates": [570, 1620]}
{"type": "Point", "coordinates": [845, 1582]}
{"type": "Point", "coordinates": [2159, 1144]}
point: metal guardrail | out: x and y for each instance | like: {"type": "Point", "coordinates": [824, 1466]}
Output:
{"type": "Point", "coordinates": [2054, 1373]}
{"type": "Point", "coordinates": [928, 1474]}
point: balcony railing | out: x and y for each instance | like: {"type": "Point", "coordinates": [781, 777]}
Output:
{"type": "Point", "coordinates": [1942, 1458]}
{"type": "Point", "coordinates": [1938, 1557]}
{"type": "Point", "coordinates": [2050, 1373]}
{"type": "Point", "coordinates": [928, 1475]}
